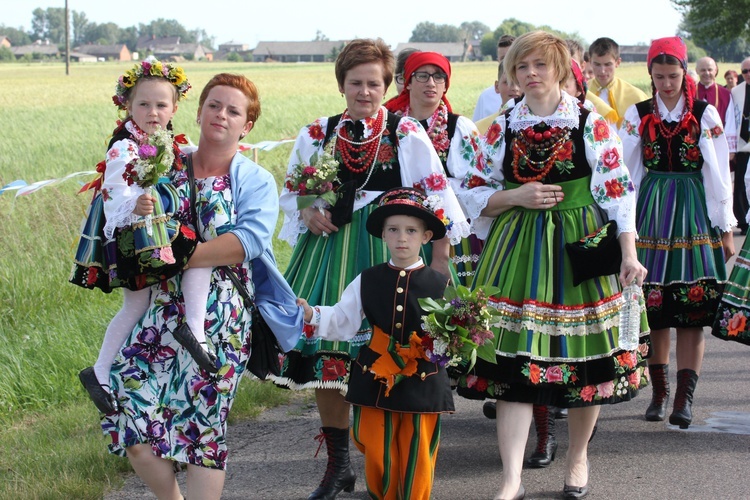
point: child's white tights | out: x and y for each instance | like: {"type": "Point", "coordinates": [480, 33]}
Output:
{"type": "Point", "coordinates": [196, 283]}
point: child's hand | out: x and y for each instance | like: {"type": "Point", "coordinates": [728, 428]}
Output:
{"type": "Point", "coordinates": [144, 205]}
{"type": "Point", "coordinates": [308, 310]}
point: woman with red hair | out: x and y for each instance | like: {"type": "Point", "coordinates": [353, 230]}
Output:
{"type": "Point", "coordinates": [678, 155]}
{"type": "Point", "coordinates": [426, 78]}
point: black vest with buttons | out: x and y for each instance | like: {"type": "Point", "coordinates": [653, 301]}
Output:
{"type": "Point", "coordinates": [390, 302]}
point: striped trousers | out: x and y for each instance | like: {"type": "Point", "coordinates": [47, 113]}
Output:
{"type": "Point", "coordinates": [400, 451]}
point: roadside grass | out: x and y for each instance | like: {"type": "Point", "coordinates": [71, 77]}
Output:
{"type": "Point", "coordinates": [51, 445]}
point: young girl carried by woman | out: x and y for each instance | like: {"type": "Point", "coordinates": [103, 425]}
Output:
{"type": "Point", "coordinates": [129, 238]}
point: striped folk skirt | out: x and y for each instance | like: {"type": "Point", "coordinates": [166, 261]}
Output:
{"type": "Point", "coordinates": [731, 321]}
{"type": "Point", "coordinates": [681, 251]}
{"type": "Point", "coordinates": [555, 343]}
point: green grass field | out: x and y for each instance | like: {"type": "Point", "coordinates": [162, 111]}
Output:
{"type": "Point", "coordinates": [50, 442]}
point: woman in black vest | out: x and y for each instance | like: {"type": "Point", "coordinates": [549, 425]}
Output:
{"type": "Point", "coordinates": [554, 175]}
{"type": "Point", "coordinates": [375, 151]}
{"type": "Point", "coordinates": [677, 151]}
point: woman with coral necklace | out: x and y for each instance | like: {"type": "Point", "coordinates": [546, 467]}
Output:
{"type": "Point", "coordinates": [376, 151]}
{"type": "Point", "coordinates": [554, 174]}
{"type": "Point", "coordinates": [455, 138]}
{"type": "Point", "coordinates": [678, 153]}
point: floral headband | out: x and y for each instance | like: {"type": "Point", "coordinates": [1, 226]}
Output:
{"type": "Point", "coordinates": [150, 67]}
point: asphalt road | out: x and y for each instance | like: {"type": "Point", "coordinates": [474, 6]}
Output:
{"type": "Point", "coordinates": [272, 457]}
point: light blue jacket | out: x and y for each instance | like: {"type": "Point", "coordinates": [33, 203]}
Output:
{"type": "Point", "coordinates": [256, 202]}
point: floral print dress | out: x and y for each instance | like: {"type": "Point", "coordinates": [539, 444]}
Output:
{"type": "Point", "coordinates": [165, 399]}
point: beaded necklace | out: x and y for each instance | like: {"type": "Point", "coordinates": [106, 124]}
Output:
{"type": "Point", "coordinates": [546, 144]}
{"type": "Point", "coordinates": [437, 129]}
{"type": "Point", "coordinates": [359, 156]}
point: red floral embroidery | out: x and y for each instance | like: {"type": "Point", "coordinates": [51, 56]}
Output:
{"type": "Point", "coordinates": [588, 393]}
{"type": "Point", "coordinates": [476, 181]}
{"type": "Point", "coordinates": [535, 373]}
{"type": "Point", "coordinates": [436, 182]}
{"type": "Point", "coordinates": [481, 384]}
{"type": "Point", "coordinates": [601, 130]}
{"type": "Point", "coordinates": [654, 298]}
{"type": "Point", "coordinates": [566, 152]}
{"type": "Point", "coordinates": [692, 154]}
{"type": "Point", "coordinates": [493, 134]}
{"type": "Point", "coordinates": [648, 153]}
{"type": "Point", "coordinates": [696, 293]}
{"type": "Point", "coordinates": [316, 132]}
{"type": "Point", "coordinates": [611, 159]}
{"type": "Point", "coordinates": [333, 369]}
{"type": "Point", "coordinates": [614, 188]}
{"type": "Point", "coordinates": [736, 324]}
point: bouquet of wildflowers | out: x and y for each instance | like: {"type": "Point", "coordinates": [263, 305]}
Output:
{"type": "Point", "coordinates": [314, 181]}
{"type": "Point", "coordinates": [155, 158]}
{"type": "Point", "coordinates": [457, 328]}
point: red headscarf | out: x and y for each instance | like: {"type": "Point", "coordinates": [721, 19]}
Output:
{"type": "Point", "coordinates": [580, 82]}
{"type": "Point", "coordinates": [671, 46]}
{"type": "Point", "coordinates": [413, 63]}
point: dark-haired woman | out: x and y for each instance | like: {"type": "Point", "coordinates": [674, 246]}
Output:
{"type": "Point", "coordinates": [376, 151]}
{"type": "Point", "coordinates": [427, 77]}
{"type": "Point", "coordinates": [678, 155]}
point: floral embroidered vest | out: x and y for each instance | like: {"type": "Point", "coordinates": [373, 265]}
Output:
{"type": "Point", "coordinates": [571, 163]}
{"type": "Point", "coordinates": [683, 150]}
{"type": "Point", "coordinates": [387, 173]}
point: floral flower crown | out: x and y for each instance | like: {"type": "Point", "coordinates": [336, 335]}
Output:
{"type": "Point", "coordinates": [150, 67]}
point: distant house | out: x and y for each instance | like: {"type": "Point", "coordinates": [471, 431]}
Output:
{"type": "Point", "coordinates": [4, 41]}
{"type": "Point", "coordinates": [316, 51]}
{"type": "Point", "coordinates": [634, 53]}
{"type": "Point", "coordinates": [452, 51]}
{"type": "Point", "coordinates": [36, 50]}
{"type": "Point", "coordinates": [169, 48]}
{"type": "Point", "coordinates": [118, 52]}
{"type": "Point", "coordinates": [147, 43]}
{"type": "Point", "coordinates": [232, 47]}
{"type": "Point", "coordinates": [82, 58]}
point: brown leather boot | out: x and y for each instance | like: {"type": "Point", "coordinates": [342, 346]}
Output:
{"type": "Point", "coordinates": [657, 410]}
{"type": "Point", "coordinates": [546, 444]}
{"type": "Point", "coordinates": [682, 413]}
{"type": "Point", "coordinates": [339, 475]}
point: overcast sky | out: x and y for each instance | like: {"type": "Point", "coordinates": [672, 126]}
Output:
{"type": "Point", "coordinates": [251, 21]}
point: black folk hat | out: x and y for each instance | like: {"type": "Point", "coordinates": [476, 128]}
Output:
{"type": "Point", "coordinates": [406, 201]}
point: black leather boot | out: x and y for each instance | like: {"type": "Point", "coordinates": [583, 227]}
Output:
{"type": "Point", "coordinates": [205, 359]}
{"type": "Point", "coordinates": [339, 473]}
{"type": "Point", "coordinates": [657, 410]}
{"type": "Point", "coordinates": [546, 444]}
{"type": "Point", "coordinates": [682, 413]}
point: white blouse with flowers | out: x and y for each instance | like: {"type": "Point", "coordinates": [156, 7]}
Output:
{"type": "Point", "coordinates": [419, 165]}
{"type": "Point", "coordinates": [611, 185]}
{"type": "Point", "coordinates": [714, 149]}
{"type": "Point", "coordinates": [119, 197]}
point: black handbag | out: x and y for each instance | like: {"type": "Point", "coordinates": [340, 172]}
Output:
{"type": "Point", "coordinates": [596, 254]}
{"type": "Point", "coordinates": [265, 351]}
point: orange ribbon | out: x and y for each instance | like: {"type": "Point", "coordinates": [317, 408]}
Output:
{"type": "Point", "coordinates": [96, 183]}
{"type": "Point", "coordinates": [395, 361]}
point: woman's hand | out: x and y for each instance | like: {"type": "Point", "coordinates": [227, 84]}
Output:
{"type": "Point", "coordinates": [306, 307]}
{"type": "Point", "coordinates": [144, 205]}
{"type": "Point", "coordinates": [727, 241]}
{"type": "Point", "coordinates": [533, 195]}
{"type": "Point", "coordinates": [318, 221]}
{"type": "Point", "coordinates": [631, 270]}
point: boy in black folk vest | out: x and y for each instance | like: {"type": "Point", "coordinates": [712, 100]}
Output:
{"type": "Point", "coordinates": [398, 395]}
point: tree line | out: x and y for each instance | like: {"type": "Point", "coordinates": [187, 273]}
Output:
{"type": "Point", "coordinates": [49, 25]}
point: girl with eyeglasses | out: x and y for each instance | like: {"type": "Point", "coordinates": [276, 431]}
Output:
{"type": "Point", "coordinates": [454, 137]}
